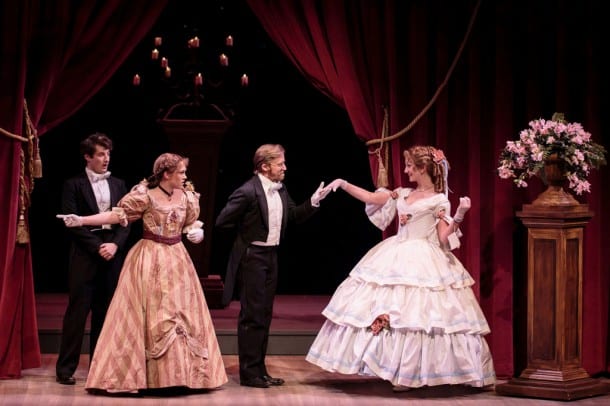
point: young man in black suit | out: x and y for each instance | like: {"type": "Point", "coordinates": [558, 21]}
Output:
{"type": "Point", "coordinates": [96, 253]}
{"type": "Point", "coordinates": [259, 211]}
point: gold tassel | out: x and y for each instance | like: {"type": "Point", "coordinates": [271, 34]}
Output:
{"type": "Point", "coordinates": [382, 173]}
{"type": "Point", "coordinates": [23, 236]}
{"type": "Point", "coordinates": [37, 168]}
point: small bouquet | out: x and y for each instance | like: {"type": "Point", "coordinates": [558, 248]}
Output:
{"type": "Point", "coordinates": [380, 323]}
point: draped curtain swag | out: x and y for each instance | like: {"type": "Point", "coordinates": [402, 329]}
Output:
{"type": "Point", "coordinates": [56, 55]}
{"type": "Point", "coordinates": [522, 61]}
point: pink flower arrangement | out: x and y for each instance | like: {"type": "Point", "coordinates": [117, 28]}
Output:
{"type": "Point", "coordinates": [578, 154]}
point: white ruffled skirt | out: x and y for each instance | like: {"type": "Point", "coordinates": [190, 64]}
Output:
{"type": "Point", "coordinates": [436, 325]}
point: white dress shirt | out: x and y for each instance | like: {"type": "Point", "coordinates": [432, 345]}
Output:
{"type": "Point", "coordinates": [275, 210]}
{"type": "Point", "coordinates": [101, 189]}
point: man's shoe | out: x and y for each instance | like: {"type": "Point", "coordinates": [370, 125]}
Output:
{"type": "Point", "coordinates": [273, 381]}
{"type": "Point", "coordinates": [255, 383]}
{"type": "Point", "coordinates": [65, 380]}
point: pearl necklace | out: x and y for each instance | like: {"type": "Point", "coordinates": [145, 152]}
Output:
{"type": "Point", "coordinates": [424, 189]}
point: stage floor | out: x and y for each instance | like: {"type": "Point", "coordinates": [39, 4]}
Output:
{"type": "Point", "coordinates": [306, 385]}
{"type": "Point", "coordinates": [296, 321]}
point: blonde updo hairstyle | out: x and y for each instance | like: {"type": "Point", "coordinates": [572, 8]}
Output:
{"type": "Point", "coordinates": [166, 162]}
{"type": "Point", "coordinates": [433, 161]}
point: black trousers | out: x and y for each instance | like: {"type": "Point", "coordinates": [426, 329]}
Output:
{"type": "Point", "coordinates": [91, 284]}
{"type": "Point", "coordinates": [257, 276]}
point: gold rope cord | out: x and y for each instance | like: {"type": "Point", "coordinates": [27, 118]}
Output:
{"type": "Point", "coordinates": [28, 170]}
{"type": "Point", "coordinates": [13, 136]}
{"type": "Point", "coordinates": [440, 88]}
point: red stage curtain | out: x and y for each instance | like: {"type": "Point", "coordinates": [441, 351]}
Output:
{"type": "Point", "coordinates": [524, 60]}
{"type": "Point", "coordinates": [56, 55]}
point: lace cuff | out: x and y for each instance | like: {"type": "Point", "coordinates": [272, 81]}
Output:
{"type": "Point", "coordinates": [120, 212]}
{"type": "Point", "coordinates": [196, 224]}
{"type": "Point", "coordinates": [381, 215]}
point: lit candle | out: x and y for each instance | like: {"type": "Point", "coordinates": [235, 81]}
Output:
{"type": "Point", "coordinates": [229, 41]}
{"type": "Point", "coordinates": [244, 80]}
{"type": "Point", "coordinates": [155, 54]}
{"type": "Point", "coordinates": [224, 60]}
{"type": "Point", "coordinates": [194, 42]}
{"type": "Point", "coordinates": [199, 79]}
{"type": "Point", "coordinates": [158, 41]}
{"type": "Point", "coordinates": [164, 62]}
{"type": "Point", "coordinates": [168, 72]}
{"type": "Point", "coordinates": [136, 80]}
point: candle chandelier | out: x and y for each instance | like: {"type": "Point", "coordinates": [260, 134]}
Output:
{"type": "Point", "coordinates": [190, 76]}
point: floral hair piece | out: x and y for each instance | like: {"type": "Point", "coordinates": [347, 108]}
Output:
{"type": "Point", "coordinates": [438, 156]}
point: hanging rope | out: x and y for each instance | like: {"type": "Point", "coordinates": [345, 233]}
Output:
{"type": "Point", "coordinates": [30, 167]}
{"type": "Point", "coordinates": [440, 88]}
{"type": "Point", "coordinates": [33, 146]}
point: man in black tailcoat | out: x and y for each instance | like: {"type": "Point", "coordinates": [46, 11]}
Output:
{"type": "Point", "coordinates": [259, 211]}
{"type": "Point", "coordinates": [96, 253]}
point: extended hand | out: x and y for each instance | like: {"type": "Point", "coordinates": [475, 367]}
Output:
{"type": "Point", "coordinates": [71, 220]}
{"type": "Point", "coordinates": [195, 235]}
{"type": "Point", "coordinates": [336, 184]}
{"type": "Point", "coordinates": [462, 209]}
{"type": "Point", "coordinates": [320, 193]}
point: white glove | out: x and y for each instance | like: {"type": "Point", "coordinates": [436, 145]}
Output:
{"type": "Point", "coordinates": [71, 220]}
{"type": "Point", "coordinates": [336, 184]}
{"type": "Point", "coordinates": [320, 193]}
{"type": "Point", "coordinates": [195, 235]}
{"type": "Point", "coordinates": [462, 209]}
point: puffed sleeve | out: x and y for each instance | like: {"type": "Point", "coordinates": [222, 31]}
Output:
{"type": "Point", "coordinates": [381, 215]}
{"type": "Point", "coordinates": [442, 205]}
{"type": "Point", "coordinates": [454, 238]}
{"type": "Point", "coordinates": [192, 207]}
{"type": "Point", "coordinates": [134, 203]}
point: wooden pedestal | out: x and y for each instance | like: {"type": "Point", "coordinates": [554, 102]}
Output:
{"type": "Point", "coordinates": [196, 131]}
{"type": "Point", "coordinates": [554, 306]}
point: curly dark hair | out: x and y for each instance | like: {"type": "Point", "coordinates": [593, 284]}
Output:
{"type": "Point", "coordinates": [87, 146]}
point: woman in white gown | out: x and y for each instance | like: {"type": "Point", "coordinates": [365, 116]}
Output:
{"type": "Point", "coordinates": [406, 313]}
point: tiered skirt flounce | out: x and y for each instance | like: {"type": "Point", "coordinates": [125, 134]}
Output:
{"type": "Point", "coordinates": [436, 326]}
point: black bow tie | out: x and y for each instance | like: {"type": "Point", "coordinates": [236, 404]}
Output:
{"type": "Point", "coordinates": [99, 176]}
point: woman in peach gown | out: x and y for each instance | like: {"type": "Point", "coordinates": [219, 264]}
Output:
{"type": "Point", "coordinates": [158, 332]}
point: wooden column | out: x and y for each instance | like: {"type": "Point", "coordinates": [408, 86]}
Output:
{"type": "Point", "coordinates": [196, 131]}
{"type": "Point", "coordinates": [554, 302]}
